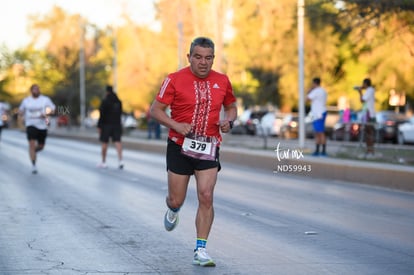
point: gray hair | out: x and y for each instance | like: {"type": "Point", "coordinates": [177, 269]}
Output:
{"type": "Point", "coordinates": [202, 42]}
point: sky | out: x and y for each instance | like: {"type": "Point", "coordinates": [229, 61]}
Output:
{"type": "Point", "coordinates": [14, 23]}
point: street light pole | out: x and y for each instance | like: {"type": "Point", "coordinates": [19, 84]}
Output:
{"type": "Point", "coordinates": [82, 75]}
{"type": "Point", "coordinates": [301, 13]}
{"type": "Point", "coordinates": [180, 44]}
{"type": "Point", "coordinates": [115, 61]}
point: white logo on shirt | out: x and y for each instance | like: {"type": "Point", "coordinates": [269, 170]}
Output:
{"type": "Point", "coordinates": [216, 86]}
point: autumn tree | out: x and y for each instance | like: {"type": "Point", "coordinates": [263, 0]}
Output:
{"type": "Point", "coordinates": [142, 65]}
{"type": "Point", "coordinates": [256, 45]}
{"type": "Point", "coordinates": [376, 42]}
{"type": "Point", "coordinates": [65, 33]}
{"type": "Point", "coordinates": [12, 75]}
{"type": "Point", "coordinates": [265, 47]}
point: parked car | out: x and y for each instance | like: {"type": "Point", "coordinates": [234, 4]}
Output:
{"type": "Point", "coordinates": [253, 122]}
{"type": "Point", "coordinates": [129, 122]}
{"type": "Point", "coordinates": [350, 131]}
{"type": "Point", "coordinates": [387, 125]}
{"type": "Point", "coordinates": [270, 124]}
{"type": "Point", "coordinates": [239, 124]}
{"type": "Point", "coordinates": [238, 128]}
{"type": "Point", "coordinates": [63, 120]}
{"type": "Point", "coordinates": [248, 122]}
{"type": "Point", "coordinates": [290, 126]}
{"type": "Point", "coordinates": [406, 132]}
{"type": "Point", "coordinates": [91, 120]}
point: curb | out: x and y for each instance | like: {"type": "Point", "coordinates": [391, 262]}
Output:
{"type": "Point", "coordinates": [353, 171]}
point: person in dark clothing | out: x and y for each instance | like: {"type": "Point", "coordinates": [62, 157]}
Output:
{"type": "Point", "coordinates": [109, 125]}
{"type": "Point", "coordinates": [154, 126]}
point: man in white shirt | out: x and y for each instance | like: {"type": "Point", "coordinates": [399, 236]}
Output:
{"type": "Point", "coordinates": [368, 101]}
{"type": "Point", "coordinates": [317, 95]}
{"type": "Point", "coordinates": [35, 109]}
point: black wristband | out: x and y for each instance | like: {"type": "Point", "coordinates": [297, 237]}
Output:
{"type": "Point", "coordinates": [231, 124]}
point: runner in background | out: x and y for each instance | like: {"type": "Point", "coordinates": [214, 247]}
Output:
{"type": "Point", "coordinates": [35, 110]}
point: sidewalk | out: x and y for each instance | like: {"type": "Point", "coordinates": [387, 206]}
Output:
{"type": "Point", "coordinates": [279, 157]}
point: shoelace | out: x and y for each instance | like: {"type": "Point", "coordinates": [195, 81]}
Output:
{"type": "Point", "coordinates": [171, 216]}
{"type": "Point", "coordinates": [202, 253]}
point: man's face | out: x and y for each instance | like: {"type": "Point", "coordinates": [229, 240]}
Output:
{"type": "Point", "coordinates": [201, 61]}
{"type": "Point", "coordinates": [35, 91]}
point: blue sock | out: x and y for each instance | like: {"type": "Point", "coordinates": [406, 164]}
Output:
{"type": "Point", "coordinates": [201, 243]}
{"type": "Point", "coordinates": [175, 210]}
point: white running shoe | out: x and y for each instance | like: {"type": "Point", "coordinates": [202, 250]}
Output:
{"type": "Point", "coordinates": [102, 165]}
{"type": "Point", "coordinates": [202, 258]}
{"type": "Point", "coordinates": [34, 169]}
{"type": "Point", "coordinates": [121, 165]}
{"type": "Point", "coordinates": [170, 220]}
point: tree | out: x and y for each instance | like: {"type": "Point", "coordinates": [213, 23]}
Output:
{"type": "Point", "coordinates": [379, 36]}
{"type": "Point", "coordinates": [142, 65]}
{"type": "Point", "coordinates": [256, 45]}
{"type": "Point", "coordinates": [266, 46]}
{"type": "Point", "coordinates": [56, 68]}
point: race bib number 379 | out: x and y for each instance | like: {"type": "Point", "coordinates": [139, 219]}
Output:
{"type": "Point", "coordinates": [199, 149]}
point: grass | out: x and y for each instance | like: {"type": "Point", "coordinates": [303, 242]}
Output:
{"type": "Point", "coordinates": [384, 154]}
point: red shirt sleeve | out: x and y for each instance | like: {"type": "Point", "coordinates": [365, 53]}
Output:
{"type": "Point", "coordinates": [166, 92]}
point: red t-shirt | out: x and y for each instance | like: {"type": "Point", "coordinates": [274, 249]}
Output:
{"type": "Point", "coordinates": [197, 101]}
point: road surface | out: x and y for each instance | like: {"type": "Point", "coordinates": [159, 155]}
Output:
{"type": "Point", "coordinates": [72, 218]}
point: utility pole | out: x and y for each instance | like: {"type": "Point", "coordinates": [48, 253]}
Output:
{"type": "Point", "coordinates": [180, 44]}
{"type": "Point", "coordinates": [82, 75]}
{"type": "Point", "coordinates": [301, 15]}
{"type": "Point", "coordinates": [115, 60]}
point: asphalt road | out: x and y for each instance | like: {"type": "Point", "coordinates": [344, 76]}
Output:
{"type": "Point", "coordinates": [72, 218]}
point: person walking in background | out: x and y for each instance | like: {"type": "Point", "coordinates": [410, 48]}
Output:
{"type": "Point", "coordinates": [196, 95]}
{"type": "Point", "coordinates": [35, 109]}
{"type": "Point", "coordinates": [368, 110]}
{"type": "Point", "coordinates": [110, 126]}
{"type": "Point", "coordinates": [154, 127]}
{"type": "Point", "coordinates": [317, 95]}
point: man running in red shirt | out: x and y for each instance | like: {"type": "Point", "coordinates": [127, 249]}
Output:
{"type": "Point", "coordinates": [196, 95]}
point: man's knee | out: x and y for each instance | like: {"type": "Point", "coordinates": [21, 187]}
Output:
{"type": "Point", "coordinates": [39, 147]}
{"type": "Point", "coordinates": [205, 198]}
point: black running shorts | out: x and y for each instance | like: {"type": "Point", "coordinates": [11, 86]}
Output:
{"type": "Point", "coordinates": [36, 134]}
{"type": "Point", "coordinates": [184, 165]}
{"type": "Point", "coordinates": [110, 131]}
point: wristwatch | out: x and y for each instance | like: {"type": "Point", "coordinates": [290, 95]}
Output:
{"type": "Point", "coordinates": [231, 124]}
